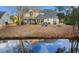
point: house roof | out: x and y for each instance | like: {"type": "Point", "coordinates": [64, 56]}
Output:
{"type": "Point", "coordinates": [49, 11]}
{"type": "Point", "coordinates": [40, 17]}
{"type": "Point", "coordinates": [50, 16]}
{"type": "Point", "coordinates": [46, 16]}
{"type": "Point", "coordinates": [1, 14]}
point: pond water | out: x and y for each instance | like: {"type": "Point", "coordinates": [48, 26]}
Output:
{"type": "Point", "coordinates": [51, 47]}
{"type": "Point", "coordinates": [12, 46]}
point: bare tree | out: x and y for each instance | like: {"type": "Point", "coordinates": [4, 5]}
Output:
{"type": "Point", "coordinates": [20, 10]}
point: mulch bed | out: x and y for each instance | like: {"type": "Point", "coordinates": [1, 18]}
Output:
{"type": "Point", "coordinates": [37, 31]}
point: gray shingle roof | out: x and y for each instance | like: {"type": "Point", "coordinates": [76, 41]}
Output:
{"type": "Point", "coordinates": [46, 16]}
{"type": "Point", "coordinates": [1, 14]}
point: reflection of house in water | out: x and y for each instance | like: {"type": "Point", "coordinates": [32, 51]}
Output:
{"type": "Point", "coordinates": [36, 16]}
{"type": "Point", "coordinates": [4, 18]}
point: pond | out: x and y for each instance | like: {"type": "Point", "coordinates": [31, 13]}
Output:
{"type": "Point", "coordinates": [59, 45]}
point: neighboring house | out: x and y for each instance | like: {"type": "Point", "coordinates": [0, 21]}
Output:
{"type": "Point", "coordinates": [51, 18]}
{"type": "Point", "coordinates": [48, 18]}
{"type": "Point", "coordinates": [4, 19]}
{"type": "Point", "coordinates": [30, 16]}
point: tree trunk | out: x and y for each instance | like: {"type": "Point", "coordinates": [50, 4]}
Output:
{"type": "Point", "coordinates": [74, 29]}
{"type": "Point", "coordinates": [77, 47]}
{"type": "Point", "coordinates": [78, 29]}
{"type": "Point", "coordinates": [71, 46]}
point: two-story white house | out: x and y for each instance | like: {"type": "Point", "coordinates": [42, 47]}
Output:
{"type": "Point", "coordinates": [4, 18]}
{"type": "Point", "coordinates": [34, 16]}
{"type": "Point", "coordinates": [48, 18]}
{"type": "Point", "coordinates": [51, 18]}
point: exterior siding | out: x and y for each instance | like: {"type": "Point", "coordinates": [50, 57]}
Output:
{"type": "Point", "coordinates": [52, 20]}
{"type": "Point", "coordinates": [5, 18]}
{"type": "Point", "coordinates": [1, 22]}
